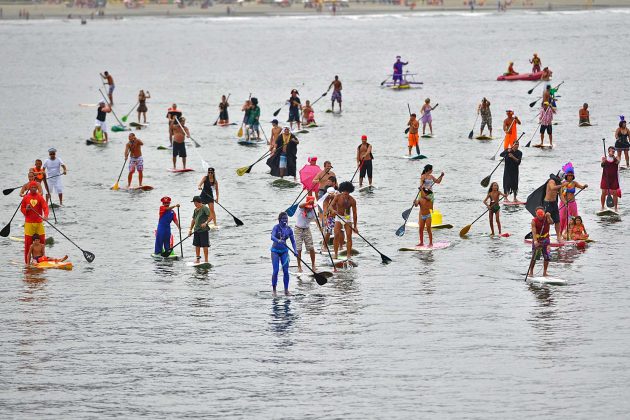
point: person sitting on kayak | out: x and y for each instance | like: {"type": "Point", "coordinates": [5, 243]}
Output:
{"type": "Point", "coordinates": [540, 239]}
{"type": "Point", "coordinates": [510, 71]}
{"type": "Point", "coordinates": [163, 232]}
{"type": "Point", "coordinates": [535, 61]}
{"type": "Point", "coordinates": [584, 114]}
{"type": "Point", "coordinates": [398, 70]}
{"type": "Point", "coordinates": [37, 251]}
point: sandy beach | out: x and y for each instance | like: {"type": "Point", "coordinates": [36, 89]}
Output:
{"type": "Point", "coordinates": [119, 10]}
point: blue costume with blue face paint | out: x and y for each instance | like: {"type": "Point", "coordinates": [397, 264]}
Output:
{"type": "Point", "coordinates": [163, 234]}
{"type": "Point", "coordinates": [280, 252]}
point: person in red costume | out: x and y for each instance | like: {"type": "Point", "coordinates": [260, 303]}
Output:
{"type": "Point", "coordinates": [33, 205]}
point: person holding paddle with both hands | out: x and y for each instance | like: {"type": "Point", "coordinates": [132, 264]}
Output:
{"type": "Point", "coordinates": [510, 129]}
{"type": "Point", "coordinates": [364, 160]}
{"type": "Point", "coordinates": [540, 240]}
{"type": "Point", "coordinates": [199, 228]}
{"type": "Point", "coordinates": [425, 201]}
{"type": "Point", "coordinates": [280, 251]}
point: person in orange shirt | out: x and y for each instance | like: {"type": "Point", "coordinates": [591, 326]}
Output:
{"type": "Point", "coordinates": [33, 207]}
{"type": "Point", "coordinates": [414, 125]}
{"type": "Point", "coordinates": [509, 126]}
{"type": "Point", "coordinates": [585, 116]}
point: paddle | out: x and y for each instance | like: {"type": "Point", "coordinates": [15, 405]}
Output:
{"type": "Point", "coordinates": [384, 258]}
{"type": "Point", "coordinates": [472, 132]}
{"type": "Point", "coordinates": [531, 105]}
{"type": "Point", "coordinates": [466, 228]}
{"type": "Point", "coordinates": [500, 144]}
{"type": "Point", "coordinates": [8, 191]}
{"type": "Point", "coordinates": [89, 257]}
{"type": "Point", "coordinates": [323, 94]}
{"type": "Point", "coordinates": [529, 92]}
{"type": "Point", "coordinates": [293, 207]}
{"type": "Point", "coordinates": [401, 230]}
{"type": "Point", "coordinates": [124, 118]}
{"type": "Point", "coordinates": [531, 263]}
{"type": "Point", "coordinates": [609, 200]}
{"type": "Point", "coordinates": [486, 180]}
{"type": "Point", "coordinates": [319, 278]}
{"type": "Point", "coordinates": [217, 120]}
{"type": "Point", "coordinates": [355, 172]}
{"type": "Point", "coordinates": [188, 135]}
{"type": "Point", "coordinates": [532, 138]}
{"type": "Point", "coordinates": [166, 253]}
{"type": "Point", "coordinates": [52, 207]}
{"type": "Point", "coordinates": [240, 130]}
{"type": "Point", "coordinates": [319, 226]}
{"type": "Point", "coordinates": [179, 222]}
{"type": "Point", "coordinates": [236, 219]}
{"type": "Point", "coordinates": [246, 169]}
{"type": "Point", "coordinates": [408, 128]}
{"type": "Point", "coordinates": [277, 111]}
{"type": "Point", "coordinates": [384, 81]}
{"type": "Point", "coordinates": [110, 107]}
{"type": "Point", "coordinates": [7, 229]}
{"type": "Point", "coordinates": [115, 186]}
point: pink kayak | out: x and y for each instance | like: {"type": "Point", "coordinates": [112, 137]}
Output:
{"type": "Point", "coordinates": [522, 76]}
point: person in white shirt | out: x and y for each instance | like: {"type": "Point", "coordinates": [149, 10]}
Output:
{"type": "Point", "coordinates": [302, 231]}
{"type": "Point", "coordinates": [53, 166]}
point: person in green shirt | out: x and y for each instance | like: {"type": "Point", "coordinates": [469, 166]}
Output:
{"type": "Point", "coordinates": [253, 120]}
{"type": "Point", "coordinates": [199, 228]}
{"type": "Point", "coordinates": [98, 135]}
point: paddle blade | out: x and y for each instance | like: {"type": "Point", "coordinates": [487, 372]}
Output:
{"type": "Point", "coordinates": [470, 135]}
{"type": "Point", "coordinates": [385, 259]}
{"type": "Point", "coordinates": [240, 132]}
{"type": "Point", "coordinates": [528, 143]}
{"type": "Point", "coordinates": [166, 253]}
{"type": "Point", "coordinates": [275, 114]}
{"type": "Point", "coordinates": [485, 181]}
{"type": "Point", "coordinates": [401, 230]}
{"type": "Point", "coordinates": [238, 221]}
{"type": "Point", "coordinates": [529, 92]}
{"type": "Point", "coordinates": [464, 231]}
{"type": "Point", "coordinates": [320, 279]}
{"type": "Point", "coordinates": [406, 213]}
{"type": "Point", "coordinates": [407, 130]}
{"type": "Point", "coordinates": [124, 118]}
{"type": "Point", "coordinates": [242, 171]}
{"type": "Point", "coordinates": [89, 257]}
{"type": "Point", "coordinates": [8, 191]}
{"type": "Point", "coordinates": [609, 201]}
{"type": "Point", "coordinates": [531, 104]}
{"type": "Point", "coordinates": [291, 210]}
{"type": "Point", "coordinates": [115, 187]}
{"type": "Point", "coordinates": [5, 230]}
{"type": "Point", "coordinates": [529, 236]}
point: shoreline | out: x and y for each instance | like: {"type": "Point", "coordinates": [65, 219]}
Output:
{"type": "Point", "coordinates": [119, 11]}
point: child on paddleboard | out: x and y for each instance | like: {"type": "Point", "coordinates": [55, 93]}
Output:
{"type": "Point", "coordinates": [492, 203]}
{"type": "Point", "coordinates": [37, 251]}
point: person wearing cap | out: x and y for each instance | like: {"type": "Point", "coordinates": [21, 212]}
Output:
{"type": "Point", "coordinates": [280, 234]}
{"type": "Point", "coordinates": [283, 160]}
{"type": "Point", "coordinates": [364, 160]}
{"type": "Point", "coordinates": [510, 129]}
{"type": "Point", "coordinates": [275, 132]}
{"type": "Point", "coordinates": [110, 83]}
{"type": "Point", "coordinates": [622, 140]}
{"type": "Point", "coordinates": [486, 115]}
{"type": "Point", "coordinates": [33, 207]}
{"type": "Point", "coordinates": [209, 186]}
{"type": "Point", "coordinates": [546, 121]}
{"type": "Point", "coordinates": [180, 133]}
{"type": "Point", "coordinates": [101, 115]}
{"type": "Point", "coordinates": [510, 71]}
{"type": "Point", "coordinates": [336, 95]}
{"type": "Point", "coordinates": [224, 118]}
{"type": "Point", "coordinates": [535, 62]}
{"type": "Point", "coordinates": [344, 207]}
{"type": "Point", "coordinates": [133, 152]}
{"type": "Point", "coordinates": [322, 178]}
{"type": "Point", "coordinates": [199, 228]}
{"type": "Point", "coordinates": [540, 239]}
{"type": "Point", "coordinates": [302, 231]}
{"type": "Point", "coordinates": [550, 202]}
{"type": "Point", "coordinates": [398, 71]}
{"type": "Point", "coordinates": [163, 237]}
{"type": "Point", "coordinates": [584, 115]}
{"type": "Point", "coordinates": [295, 105]}
{"type": "Point", "coordinates": [53, 166]}
{"type": "Point", "coordinates": [568, 205]}
{"type": "Point", "coordinates": [253, 120]}
{"type": "Point", "coordinates": [172, 113]}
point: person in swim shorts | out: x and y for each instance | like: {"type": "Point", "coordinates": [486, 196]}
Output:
{"type": "Point", "coordinates": [110, 83]}
{"type": "Point", "coordinates": [37, 251]}
{"type": "Point", "coordinates": [133, 151]}
{"type": "Point", "coordinates": [345, 208]}
{"type": "Point", "coordinates": [364, 160]}
{"type": "Point", "coordinates": [550, 203]}
{"type": "Point", "coordinates": [414, 125]}
{"type": "Point", "coordinates": [540, 239]}
{"type": "Point", "coordinates": [492, 203]}
{"type": "Point", "coordinates": [305, 215]}
{"type": "Point", "coordinates": [425, 201]}
{"type": "Point", "coordinates": [336, 95]}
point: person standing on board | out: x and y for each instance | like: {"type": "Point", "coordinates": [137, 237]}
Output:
{"type": "Point", "coordinates": [163, 233]}
{"type": "Point", "coordinates": [133, 151]}
{"type": "Point", "coordinates": [546, 121]}
{"type": "Point", "coordinates": [425, 201]}
{"type": "Point", "coordinates": [280, 251]}
{"type": "Point", "coordinates": [510, 129]}
{"type": "Point", "coordinates": [322, 178]}
{"type": "Point", "coordinates": [224, 117]}
{"type": "Point", "coordinates": [486, 115]}
{"type": "Point", "coordinates": [275, 132]}
{"type": "Point", "coordinates": [535, 62]}
{"type": "Point", "coordinates": [568, 206]}
{"type": "Point", "coordinates": [426, 116]}
{"type": "Point", "coordinates": [540, 239]}
{"type": "Point", "coordinates": [180, 133]}
{"type": "Point", "coordinates": [413, 135]}
{"type": "Point", "coordinates": [550, 203]}
{"type": "Point", "coordinates": [398, 71]}
{"type": "Point", "coordinates": [512, 158]}
{"type": "Point", "coordinates": [110, 83]}
{"type": "Point", "coordinates": [622, 143]}
{"type": "Point", "coordinates": [33, 206]}
{"type": "Point", "coordinates": [101, 114]}
{"type": "Point", "coordinates": [199, 229]}
{"type": "Point", "coordinates": [364, 160]}
{"type": "Point", "coordinates": [253, 120]}
{"type": "Point", "coordinates": [142, 105]}
{"type": "Point", "coordinates": [336, 95]}
{"type": "Point", "coordinates": [305, 215]}
{"type": "Point", "coordinates": [171, 114]}
{"type": "Point", "coordinates": [295, 105]}
{"type": "Point", "coordinates": [610, 177]}
{"type": "Point", "coordinates": [209, 186]}
{"type": "Point", "coordinates": [53, 166]}
{"type": "Point", "coordinates": [344, 207]}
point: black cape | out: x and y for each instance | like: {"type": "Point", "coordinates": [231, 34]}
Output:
{"type": "Point", "coordinates": [536, 198]}
{"type": "Point", "coordinates": [510, 171]}
{"type": "Point", "coordinates": [274, 161]}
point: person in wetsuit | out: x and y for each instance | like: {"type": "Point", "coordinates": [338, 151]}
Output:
{"type": "Point", "coordinates": [280, 252]}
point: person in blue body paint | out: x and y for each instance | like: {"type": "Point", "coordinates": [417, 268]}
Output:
{"type": "Point", "coordinates": [280, 252]}
{"type": "Point", "coordinates": [398, 70]}
{"type": "Point", "coordinates": [163, 234]}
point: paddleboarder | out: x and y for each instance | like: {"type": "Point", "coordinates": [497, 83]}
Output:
{"type": "Point", "coordinates": [167, 216]}
{"type": "Point", "coordinates": [224, 117]}
{"type": "Point", "coordinates": [550, 202]}
{"type": "Point", "coordinates": [33, 205]}
{"type": "Point", "coordinates": [107, 78]}
{"type": "Point", "coordinates": [344, 207]}
{"type": "Point", "coordinates": [322, 178]}
{"type": "Point", "coordinates": [535, 62]}
{"type": "Point", "coordinates": [336, 95]}
{"type": "Point", "coordinates": [426, 116]}
{"type": "Point", "coordinates": [98, 136]}
{"type": "Point", "coordinates": [486, 116]}
{"type": "Point", "coordinates": [275, 132]}
{"type": "Point", "coordinates": [364, 160]}
{"type": "Point", "coordinates": [492, 203]}
{"type": "Point", "coordinates": [510, 129]}
{"type": "Point", "coordinates": [172, 113]}
{"type": "Point", "coordinates": [398, 71]}
{"type": "Point", "coordinates": [180, 133]}
{"type": "Point", "coordinates": [209, 186]}
{"type": "Point", "coordinates": [26, 187]}
{"type": "Point", "coordinates": [199, 228]}
{"type": "Point", "coordinates": [37, 252]}
{"type": "Point", "coordinates": [294, 109]}
{"type": "Point", "coordinates": [53, 166]}
{"type": "Point", "coordinates": [284, 157]}
{"type": "Point", "coordinates": [327, 214]}
{"type": "Point", "coordinates": [540, 239]}
{"type": "Point", "coordinates": [101, 114]}
{"type": "Point", "coordinates": [133, 152]}
{"type": "Point", "coordinates": [413, 135]}
{"type": "Point", "coordinates": [512, 158]}
{"type": "Point", "coordinates": [425, 201]}
{"type": "Point", "coordinates": [246, 108]}
{"type": "Point", "coordinates": [610, 177]}
{"type": "Point", "coordinates": [142, 105]}
{"type": "Point", "coordinates": [622, 144]}
{"type": "Point", "coordinates": [305, 215]}
{"type": "Point", "coordinates": [253, 120]}
{"type": "Point", "coordinates": [546, 121]}
{"type": "Point", "coordinates": [280, 252]}
{"type": "Point", "coordinates": [584, 115]}
{"type": "Point", "coordinates": [546, 76]}
{"type": "Point", "coordinates": [308, 114]}
{"type": "Point", "coordinates": [568, 205]}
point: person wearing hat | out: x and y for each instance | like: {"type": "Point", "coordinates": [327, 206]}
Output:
{"type": "Point", "coordinates": [172, 113]}
{"type": "Point", "coordinates": [322, 178]}
{"type": "Point", "coordinates": [568, 205]}
{"type": "Point", "coordinates": [540, 239]}
{"type": "Point", "coordinates": [199, 228]}
{"type": "Point", "coordinates": [510, 71]}
{"type": "Point", "coordinates": [253, 120]}
{"type": "Point", "coordinates": [224, 118]}
{"type": "Point", "coordinates": [302, 231]}
{"type": "Point", "coordinates": [53, 166]}
{"type": "Point", "coordinates": [295, 105]}
{"type": "Point", "coordinates": [336, 95]}
{"type": "Point", "coordinates": [101, 114]}
{"type": "Point", "coordinates": [510, 129]}
{"type": "Point", "coordinates": [33, 206]}
{"type": "Point", "coordinates": [283, 159]}
{"type": "Point", "coordinates": [398, 71]}
{"type": "Point", "coordinates": [535, 62]}
{"type": "Point", "coordinates": [209, 186]}
{"type": "Point", "coordinates": [546, 121]}
{"type": "Point", "coordinates": [163, 237]}
{"type": "Point", "coordinates": [110, 83]}
{"type": "Point", "coordinates": [133, 152]}
{"type": "Point", "coordinates": [275, 132]}
{"type": "Point", "coordinates": [364, 160]}
{"type": "Point", "coordinates": [180, 133]}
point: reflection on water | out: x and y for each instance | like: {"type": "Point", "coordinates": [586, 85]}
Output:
{"type": "Point", "coordinates": [282, 318]}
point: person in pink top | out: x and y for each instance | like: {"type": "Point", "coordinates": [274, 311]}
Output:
{"type": "Point", "coordinates": [546, 121]}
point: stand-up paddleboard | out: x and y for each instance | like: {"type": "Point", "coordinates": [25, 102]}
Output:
{"type": "Point", "coordinates": [424, 248]}
{"type": "Point", "coordinates": [578, 243]}
{"type": "Point", "coordinates": [623, 168]}
{"type": "Point", "coordinates": [88, 105]}
{"type": "Point", "coordinates": [440, 226]}
{"type": "Point", "coordinates": [368, 188]}
{"type": "Point", "coordinates": [159, 257]}
{"type": "Point", "coordinates": [414, 157]}
{"type": "Point", "coordinates": [199, 264]}
{"type": "Point", "coordinates": [344, 252]}
{"type": "Point", "coordinates": [117, 128]}
{"type": "Point", "coordinates": [551, 281]}
{"type": "Point", "coordinates": [164, 147]}
{"type": "Point", "coordinates": [584, 124]}
{"type": "Point", "coordinates": [250, 142]}
{"type": "Point", "coordinates": [344, 262]}
{"type": "Point", "coordinates": [484, 138]}
{"type": "Point", "coordinates": [607, 213]}
{"type": "Point", "coordinates": [543, 146]}
{"type": "Point", "coordinates": [92, 142]}
{"type": "Point", "coordinates": [428, 136]}
{"type": "Point", "coordinates": [55, 206]}
{"type": "Point", "coordinates": [64, 265]}
{"type": "Point", "coordinates": [513, 203]}
{"type": "Point", "coordinates": [138, 125]}
{"type": "Point", "coordinates": [311, 125]}
{"type": "Point", "coordinates": [284, 183]}
{"type": "Point", "coordinates": [49, 239]}
{"type": "Point", "coordinates": [179, 171]}
{"type": "Point", "coordinates": [225, 124]}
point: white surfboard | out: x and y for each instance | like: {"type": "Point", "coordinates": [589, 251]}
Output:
{"type": "Point", "coordinates": [548, 280]}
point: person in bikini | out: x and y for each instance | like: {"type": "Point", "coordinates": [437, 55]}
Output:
{"type": "Point", "coordinates": [344, 207]}
{"type": "Point", "coordinates": [37, 251]}
{"type": "Point", "coordinates": [622, 143]}
{"type": "Point", "coordinates": [568, 206]}
{"type": "Point", "coordinates": [492, 203]}
{"type": "Point", "coordinates": [425, 201]}
{"type": "Point", "coordinates": [578, 231]}
{"type": "Point", "coordinates": [328, 215]}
